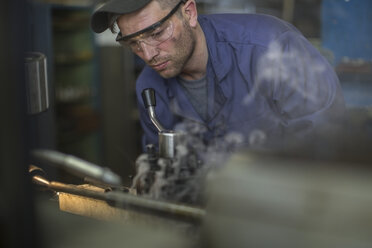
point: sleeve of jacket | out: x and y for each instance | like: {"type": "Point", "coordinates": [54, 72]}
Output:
{"type": "Point", "coordinates": [300, 84]}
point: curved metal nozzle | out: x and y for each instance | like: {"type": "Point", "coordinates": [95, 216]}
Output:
{"type": "Point", "coordinates": [154, 120]}
{"type": "Point", "coordinates": [149, 100]}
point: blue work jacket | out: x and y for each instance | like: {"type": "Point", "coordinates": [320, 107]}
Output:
{"type": "Point", "coordinates": [263, 77]}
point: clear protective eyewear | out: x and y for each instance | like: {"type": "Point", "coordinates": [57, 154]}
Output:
{"type": "Point", "coordinates": [153, 35]}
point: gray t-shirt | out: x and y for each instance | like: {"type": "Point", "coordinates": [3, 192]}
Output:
{"type": "Point", "coordinates": [197, 92]}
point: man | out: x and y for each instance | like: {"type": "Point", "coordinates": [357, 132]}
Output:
{"type": "Point", "coordinates": [217, 75]}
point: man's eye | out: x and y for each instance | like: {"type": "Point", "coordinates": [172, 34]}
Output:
{"type": "Point", "coordinates": [132, 43]}
{"type": "Point", "coordinates": [157, 34]}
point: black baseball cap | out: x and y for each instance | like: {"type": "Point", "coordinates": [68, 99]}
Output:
{"type": "Point", "coordinates": [101, 18]}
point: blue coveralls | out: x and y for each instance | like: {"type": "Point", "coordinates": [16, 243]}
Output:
{"type": "Point", "coordinates": [262, 75]}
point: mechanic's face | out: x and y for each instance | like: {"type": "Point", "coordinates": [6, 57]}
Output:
{"type": "Point", "coordinates": [168, 55]}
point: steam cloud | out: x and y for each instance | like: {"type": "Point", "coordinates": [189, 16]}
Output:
{"type": "Point", "coordinates": [279, 66]}
{"type": "Point", "coordinates": [181, 179]}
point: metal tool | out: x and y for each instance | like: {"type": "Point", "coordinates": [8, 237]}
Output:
{"type": "Point", "coordinates": [124, 200]}
{"type": "Point", "coordinates": [168, 139]}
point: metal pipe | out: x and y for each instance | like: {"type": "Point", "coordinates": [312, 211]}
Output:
{"type": "Point", "coordinates": [77, 166]}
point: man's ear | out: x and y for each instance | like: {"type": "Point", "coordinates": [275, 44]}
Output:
{"type": "Point", "coordinates": [191, 13]}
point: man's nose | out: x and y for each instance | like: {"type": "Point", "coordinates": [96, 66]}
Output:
{"type": "Point", "coordinates": [149, 52]}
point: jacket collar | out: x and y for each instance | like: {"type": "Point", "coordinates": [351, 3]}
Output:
{"type": "Point", "coordinates": [218, 54]}
{"type": "Point", "coordinates": [219, 64]}
{"type": "Point", "coordinates": [216, 101]}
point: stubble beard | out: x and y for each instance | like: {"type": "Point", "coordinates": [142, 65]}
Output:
{"type": "Point", "coordinates": [184, 48]}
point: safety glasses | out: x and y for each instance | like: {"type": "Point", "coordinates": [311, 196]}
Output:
{"type": "Point", "coordinates": [152, 35]}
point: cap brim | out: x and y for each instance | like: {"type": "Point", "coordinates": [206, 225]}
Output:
{"type": "Point", "coordinates": [100, 19]}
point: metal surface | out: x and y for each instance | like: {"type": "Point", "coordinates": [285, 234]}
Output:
{"type": "Point", "coordinates": [168, 142]}
{"type": "Point", "coordinates": [36, 82]}
{"type": "Point", "coordinates": [77, 166]}
{"type": "Point", "coordinates": [127, 201]}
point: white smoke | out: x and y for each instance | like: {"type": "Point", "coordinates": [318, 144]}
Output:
{"type": "Point", "coordinates": [181, 179]}
{"type": "Point", "coordinates": [294, 68]}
